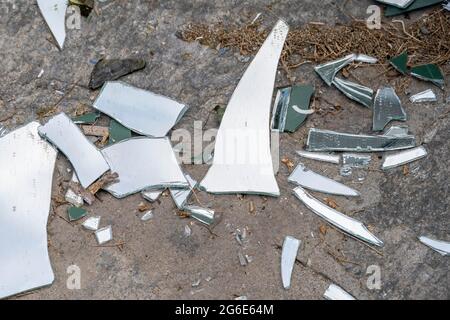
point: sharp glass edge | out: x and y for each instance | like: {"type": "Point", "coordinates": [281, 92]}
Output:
{"type": "Point", "coordinates": [308, 179]}
{"type": "Point", "coordinates": [54, 13]}
{"type": "Point", "coordinates": [387, 107]}
{"type": "Point", "coordinates": [345, 223]}
{"type": "Point", "coordinates": [355, 91]}
{"type": "Point", "coordinates": [404, 157]}
{"type": "Point", "coordinates": [442, 247]}
{"type": "Point", "coordinates": [424, 96]}
{"type": "Point", "coordinates": [402, 4]}
{"type": "Point", "coordinates": [288, 256]}
{"type": "Point", "coordinates": [320, 156]}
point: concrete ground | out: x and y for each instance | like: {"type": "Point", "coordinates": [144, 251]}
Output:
{"type": "Point", "coordinates": [156, 260]}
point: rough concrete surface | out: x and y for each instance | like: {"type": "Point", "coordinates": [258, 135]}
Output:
{"type": "Point", "coordinates": [156, 260]}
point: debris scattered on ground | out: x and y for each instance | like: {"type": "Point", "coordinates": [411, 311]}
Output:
{"type": "Point", "coordinates": [88, 118]}
{"type": "Point", "coordinates": [29, 162]}
{"type": "Point", "coordinates": [104, 235]}
{"type": "Point", "coordinates": [291, 107]}
{"type": "Point", "coordinates": [395, 138]}
{"type": "Point", "coordinates": [325, 157]}
{"type": "Point", "coordinates": [75, 213]}
{"type": "Point", "coordinates": [180, 196]}
{"type": "Point", "coordinates": [387, 107]}
{"type": "Point", "coordinates": [86, 159]}
{"type": "Point", "coordinates": [106, 180]}
{"type": "Point", "coordinates": [242, 259]}
{"type": "Point", "coordinates": [203, 215]}
{"type": "Point", "coordinates": [424, 96]}
{"type": "Point", "coordinates": [187, 231]}
{"type": "Point", "coordinates": [313, 181]}
{"type": "Point", "coordinates": [335, 292]}
{"type": "Point", "coordinates": [54, 13]}
{"type": "Point", "coordinates": [73, 198]}
{"type": "Point", "coordinates": [142, 111]}
{"type": "Point", "coordinates": [288, 163]}
{"type": "Point", "coordinates": [400, 63]}
{"type": "Point", "coordinates": [147, 215]}
{"type": "Point", "coordinates": [251, 207]}
{"type": "Point", "coordinates": [113, 69]}
{"type": "Point", "coordinates": [288, 257]}
{"type": "Point", "coordinates": [92, 223]}
{"type": "Point", "coordinates": [442, 247]}
{"type": "Point", "coordinates": [320, 43]}
{"type": "Point", "coordinates": [446, 5]}
{"type": "Point", "coordinates": [144, 207]}
{"type": "Point", "coordinates": [142, 164]}
{"type": "Point", "coordinates": [347, 224]}
{"type": "Point", "coordinates": [403, 157]}
{"type": "Point", "coordinates": [354, 160]}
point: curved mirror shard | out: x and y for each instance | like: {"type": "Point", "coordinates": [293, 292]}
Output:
{"type": "Point", "coordinates": [242, 157]}
{"type": "Point", "coordinates": [403, 157]}
{"type": "Point", "coordinates": [347, 224]}
{"type": "Point", "coordinates": [26, 170]}
{"type": "Point", "coordinates": [140, 110]}
{"type": "Point", "coordinates": [143, 164]}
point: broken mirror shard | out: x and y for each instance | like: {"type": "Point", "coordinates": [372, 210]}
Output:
{"type": "Point", "coordinates": [356, 160]}
{"type": "Point", "coordinates": [346, 224]}
{"type": "Point", "coordinates": [143, 164]}
{"type": "Point", "coordinates": [335, 292]}
{"type": "Point", "coordinates": [424, 96]}
{"type": "Point", "coordinates": [325, 157]}
{"type": "Point", "coordinates": [75, 213]}
{"type": "Point", "coordinates": [92, 223]}
{"type": "Point", "coordinates": [113, 69]}
{"type": "Point", "coordinates": [417, 4]}
{"type": "Point", "coordinates": [310, 180]}
{"type": "Point", "coordinates": [151, 195]}
{"type": "Point", "coordinates": [328, 70]}
{"type": "Point", "coordinates": [3, 131]}
{"type": "Point", "coordinates": [27, 163]}
{"type": "Point", "coordinates": [147, 216]}
{"type": "Point", "coordinates": [86, 159]}
{"type": "Point", "coordinates": [140, 110]}
{"type": "Point", "coordinates": [180, 196]}
{"type": "Point", "coordinates": [355, 91]}
{"type": "Point", "coordinates": [291, 107]}
{"type": "Point", "coordinates": [118, 132]}
{"type": "Point", "coordinates": [386, 108]}
{"type": "Point", "coordinates": [73, 198]}
{"type": "Point", "coordinates": [104, 235]}
{"type": "Point", "coordinates": [88, 118]}
{"type": "Point", "coordinates": [397, 3]}
{"type": "Point", "coordinates": [288, 256]}
{"type": "Point", "coordinates": [203, 215]}
{"type": "Point", "coordinates": [324, 140]}
{"type": "Point", "coordinates": [54, 13]}
{"type": "Point", "coordinates": [242, 157]}
{"type": "Point", "coordinates": [404, 157]}
{"type": "Point", "coordinates": [443, 247]}
{"type": "Point", "coordinates": [429, 72]}
{"type": "Point", "coordinates": [400, 63]}
{"type": "Point", "coordinates": [446, 6]}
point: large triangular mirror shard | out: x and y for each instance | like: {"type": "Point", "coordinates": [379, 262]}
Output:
{"type": "Point", "coordinates": [242, 158]}
{"type": "Point", "coordinates": [54, 13]}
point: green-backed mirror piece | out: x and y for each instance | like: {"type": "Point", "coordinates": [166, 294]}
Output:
{"type": "Point", "coordinates": [76, 213]}
{"type": "Point", "coordinates": [88, 118]}
{"type": "Point", "coordinates": [400, 63]}
{"type": "Point", "coordinates": [418, 4]}
{"type": "Point", "coordinates": [291, 107]}
{"type": "Point", "coordinates": [429, 72]}
{"type": "Point", "coordinates": [118, 132]}
{"type": "Point", "coordinates": [298, 108]}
